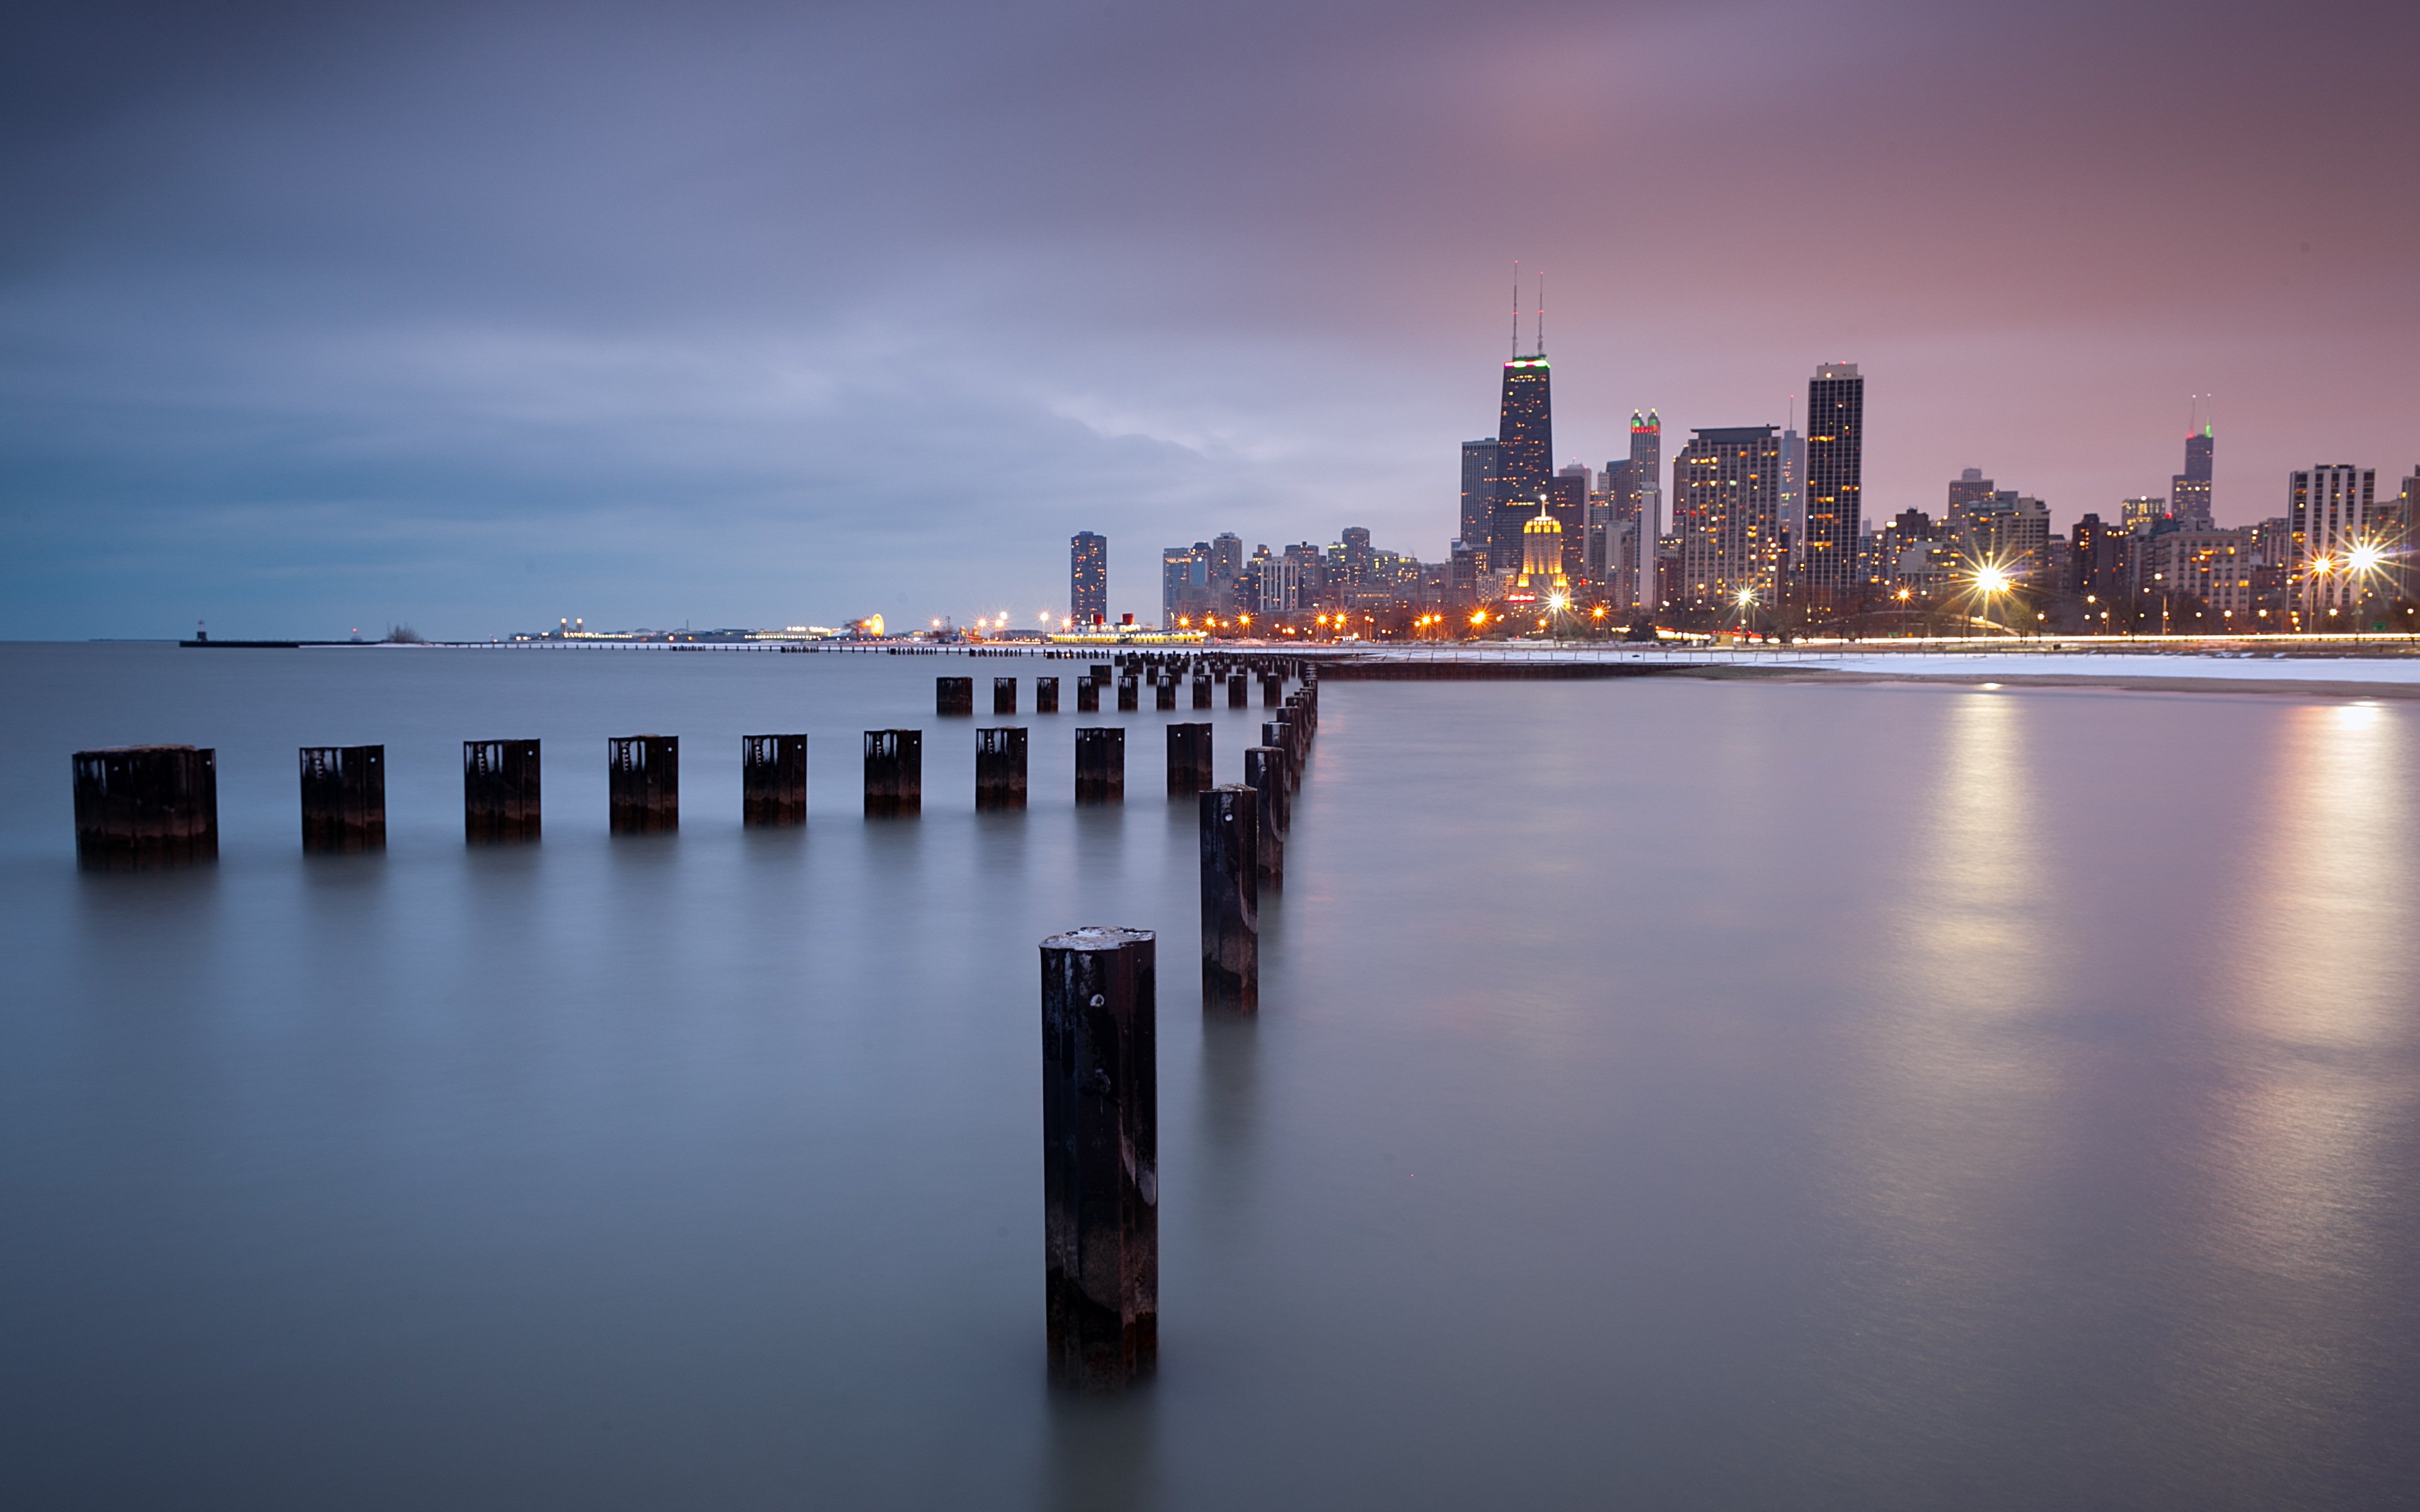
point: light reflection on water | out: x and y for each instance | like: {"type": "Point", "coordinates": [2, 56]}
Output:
{"type": "Point", "coordinates": [1683, 1094]}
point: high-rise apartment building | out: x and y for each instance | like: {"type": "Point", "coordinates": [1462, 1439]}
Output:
{"type": "Point", "coordinates": [1088, 579]}
{"type": "Point", "coordinates": [1793, 493]}
{"type": "Point", "coordinates": [1836, 431]}
{"type": "Point", "coordinates": [2188, 490]}
{"type": "Point", "coordinates": [2328, 509]}
{"type": "Point", "coordinates": [1967, 490]}
{"type": "Point", "coordinates": [1479, 470]}
{"type": "Point", "coordinates": [2007, 530]}
{"type": "Point", "coordinates": [2139, 515]}
{"type": "Point", "coordinates": [1727, 511]}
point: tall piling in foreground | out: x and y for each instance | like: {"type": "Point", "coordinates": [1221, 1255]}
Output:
{"type": "Point", "coordinates": [953, 695]}
{"type": "Point", "coordinates": [1088, 697]}
{"type": "Point", "coordinates": [1238, 691]}
{"type": "Point", "coordinates": [1279, 732]}
{"type": "Point", "coordinates": [894, 773]}
{"type": "Point", "coordinates": [1201, 690]}
{"type": "Point", "coordinates": [1045, 695]}
{"type": "Point", "coordinates": [1101, 765]}
{"type": "Point", "coordinates": [500, 791]}
{"type": "Point", "coordinates": [999, 768]}
{"type": "Point", "coordinates": [1130, 695]}
{"type": "Point", "coordinates": [1231, 901]}
{"type": "Point", "coordinates": [1188, 759]}
{"type": "Point", "coordinates": [145, 808]}
{"type": "Point", "coordinates": [772, 780]}
{"type": "Point", "coordinates": [1004, 695]}
{"type": "Point", "coordinates": [643, 779]}
{"type": "Point", "coordinates": [1163, 692]}
{"type": "Point", "coordinates": [344, 799]}
{"type": "Point", "coordinates": [1100, 1158]}
{"type": "Point", "coordinates": [1264, 774]}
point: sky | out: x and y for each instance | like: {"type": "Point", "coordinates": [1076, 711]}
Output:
{"type": "Point", "coordinates": [471, 317]}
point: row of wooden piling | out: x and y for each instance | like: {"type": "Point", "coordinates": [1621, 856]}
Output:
{"type": "Point", "coordinates": [146, 807]}
{"type": "Point", "coordinates": [955, 697]}
{"type": "Point", "coordinates": [1100, 1096]}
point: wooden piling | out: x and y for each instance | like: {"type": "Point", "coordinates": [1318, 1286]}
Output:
{"type": "Point", "coordinates": [500, 791]}
{"type": "Point", "coordinates": [1231, 901]}
{"type": "Point", "coordinates": [894, 773]}
{"type": "Point", "coordinates": [953, 695]}
{"type": "Point", "coordinates": [1100, 1158]}
{"type": "Point", "coordinates": [1163, 692]}
{"type": "Point", "coordinates": [1101, 674]}
{"type": "Point", "coordinates": [1045, 695]}
{"type": "Point", "coordinates": [773, 780]}
{"type": "Point", "coordinates": [642, 782]}
{"type": "Point", "coordinates": [1238, 691]}
{"type": "Point", "coordinates": [1088, 697]}
{"type": "Point", "coordinates": [145, 808]}
{"type": "Point", "coordinates": [1130, 695]}
{"type": "Point", "coordinates": [999, 768]}
{"type": "Point", "coordinates": [344, 799]}
{"type": "Point", "coordinates": [1101, 765]}
{"type": "Point", "coordinates": [1272, 690]}
{"type": "Point", "coordinates": [1201, 691]}
{"type": "Point", "coordinates": [1264, 774]}
{"type": "Point", "coordinates": [1004, 695]}
{"type": "Point", "coordinates": [1188, 759]}
{"type": "Point", "coordinates": [1279, 732]}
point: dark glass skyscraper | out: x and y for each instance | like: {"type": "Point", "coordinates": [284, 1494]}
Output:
{"type": "Point", "coordinates": [1836, 433]}
{"type": "Point", "coordinates": [1525, 450]}
{"type": "Point", "coordinates": [1088, 579]}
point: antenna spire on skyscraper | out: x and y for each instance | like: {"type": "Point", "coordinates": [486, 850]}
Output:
{"type": "Point", "coordinates": [1516, 309]}
{"type": "Point", "coordinates": [1541, 315]}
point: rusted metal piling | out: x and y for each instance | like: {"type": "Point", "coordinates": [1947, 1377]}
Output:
{"type": "Point", "coordinates": [344, 799]}
{"type": "Point", "coordinates": [1188, 759]}
{"type": "Point", "coordinates": [1264, 774]}
{"type": "Point", "coordinates": [1130, 695]}
{"type": "Point", "coordinates": [145, 808]}
{"type": "Point", "coordinates": [953, 695]}
{"type": "Point", "coordinates": [1004, 695]}
{"type": "Point", "coordinates": [1100, 674]}
{"type": "Point", "coordinates": [1272, 690]}
{"type": "Point", "coordinates": [1201, 690]}
{"type": "Point", "coordinates": [1163, 692]}
{"type": "Point", "coordinates": [1100, 1158]}
{"type": "Point", "coordinates": [1238, 691]}
{"type": "Point", "coordinates": [999, 768]}
{"type": "Point", "coordinates": [500, 791]}
{"type": "Point", "coordinates": [643, 779]}
{"type": "Point", "coordinates": [894, 773]}
{"type": "Point", "coordinates": [1279, 732]}
{"type": "Point", "coordinates": [1101, 765]}
{"type": "Point", "coordinates": [1231, 901]}
{"type": "Point", "coordinates": [772, 780]}
{"type": "Point", "coordinates": [1045, 695]}
{"type": "Point", "coordinates": [1088, 697]}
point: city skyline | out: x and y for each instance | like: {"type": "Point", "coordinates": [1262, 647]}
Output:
{"type": "Point", "coordinates": [638, 376]}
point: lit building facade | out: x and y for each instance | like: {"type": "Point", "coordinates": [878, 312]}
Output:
{"type": "Point", "coordinates": [1088, 579]}
{"type": "Point", "coordinates": [1525, 450]}
{"type": "Point", "coordinates": [2188, 490]}
{"type": "Point", "coordinates": [1836, 431]}
{"type": "Point", "coordinates": [1479, 487]}
{"type": "Point", "coordinates": [2328, 509]}
{"type": "Point", "coordinates": [1727, 512]}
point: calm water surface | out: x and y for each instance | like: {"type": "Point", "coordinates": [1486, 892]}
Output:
{"type": "Point", "coordinates": [1666, 1093]}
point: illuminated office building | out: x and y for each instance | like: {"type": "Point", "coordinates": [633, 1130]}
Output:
{"type": "Point", "coordinates": [1478, 478]}
{"type": "Point", "coordinates": [2188, 490]}
{"type": "Point", "coordinates": [1727, 512]}
{"type": "Point", "coordinates": [2328, 509]}
{"type": "Point", "coordinates": [1088, 579]}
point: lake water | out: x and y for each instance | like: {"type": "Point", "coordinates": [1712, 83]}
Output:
{"type": "Point", "coordinates": [1666, 1093]}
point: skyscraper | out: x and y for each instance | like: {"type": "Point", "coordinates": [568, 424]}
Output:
{"type": "Point", "coordinates": [2328, 509]}
{"type": "Point", "coordinates": [1088, 579]}
{"type": "Point", "coordinates": [1836, 432]}
{"type": "Point", "coordinates": [1479, 474]}
{"type": "Point", "coordinates": [2188, 490]}
{"type": "Point", "coordinates": [1727, 511]}
{"type": "Point", "coordinates": [1525, 452]}
{"type": "Point", "coordinates": [1647, 474]}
